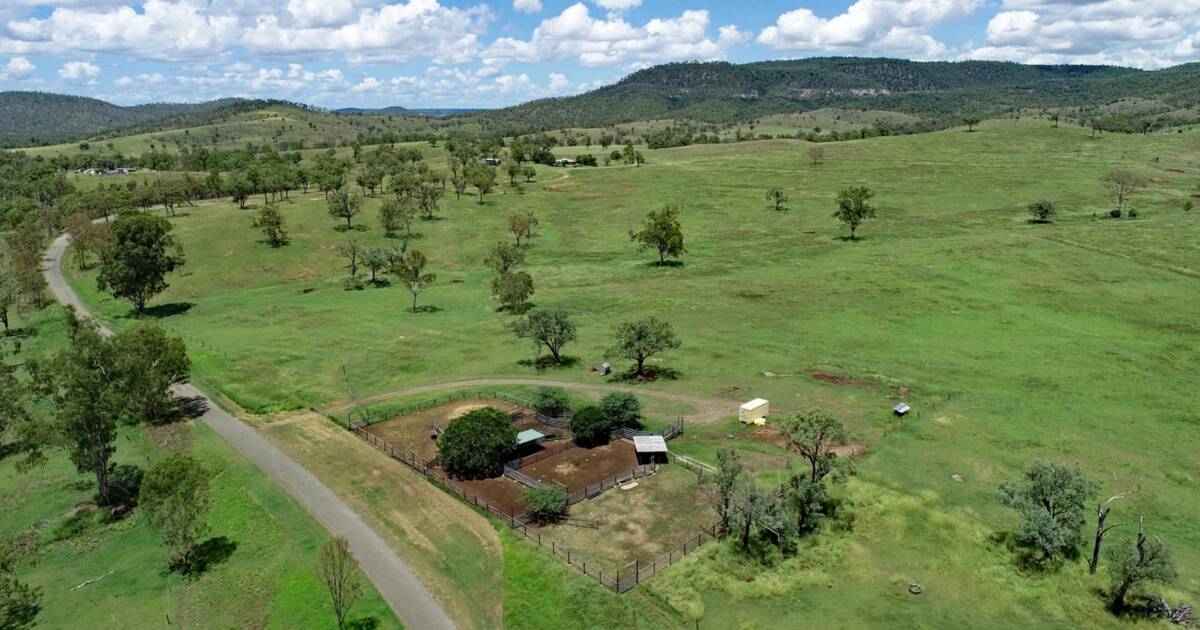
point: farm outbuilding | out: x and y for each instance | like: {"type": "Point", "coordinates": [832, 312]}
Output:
{"type": "Point", "coordinates": [902, 409]}
{"type": "Point", "coordinates": [755, 412]}
{"type": "Point", "coordinates": [529, 436]}
{"type": "Point", "coordinates": [651, 449]}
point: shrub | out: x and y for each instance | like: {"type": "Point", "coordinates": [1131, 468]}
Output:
{"type": "Point", "coordinates": [1042, 210]}
{"type": "Point", "coordinates": [1133, 213]}
{"type": "Point", "coordinates": [1188, 205]}
{"type": "Point", "coordinates": [477, 444]}
{"type": "Point", "coordinates": [1115, 213]}
{"type": "Point", "coordinates": [546, 503]}
{"type": "Point", "coordinates": [622, 409]}
{"type": "Point", "coordinates": [590, 426]}
{"type": "Point", "coordinates": [551, 401]}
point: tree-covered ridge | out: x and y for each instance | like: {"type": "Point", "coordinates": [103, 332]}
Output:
{"type": "Point", "coordinates": [720, 92]}
{"type": "Point", "coordinates": [31, 118]}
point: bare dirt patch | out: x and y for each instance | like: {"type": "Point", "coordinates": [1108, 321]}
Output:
{"type": "Point", "coordinates": [414, 432]}
{"type": "Point", "coordinates": [771, 435]}
{"type": "Point", "coordinates": [840, 379]}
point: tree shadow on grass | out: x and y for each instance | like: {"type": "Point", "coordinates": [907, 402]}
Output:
{"type": "Point", "coordinates": [649, 375]}
{"type": "Point", "coordinates": [848, 239]}
{"type": "Point", "coordinates": [1026, 559]}
{"type": "Point", "coordinates": [357, 228]}
{"type": "Point", "coordinates": [363, 623]}
{"type": "Point", "coordinates": [161, 311]}
{"type": "Point", "coordinates": [665, 264]}
{"type": "Point", "coordinates": [427, 309]}
{"type": "Point", "coordinates": [547, 362]}
{"type": "Point", "coordinates": [124, 488]}
{"type": "Point", "coordinates": [210, 553]}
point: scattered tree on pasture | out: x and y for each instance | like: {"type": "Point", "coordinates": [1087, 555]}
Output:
{"type": "Point", "coordinates": [854, 207]}
{"type": "Point", "coordinates": [816, 155]}
{"type": "Point", "coordinates": [513, 168]}
{"type": "Point", "coordinates": [1121, 186]}
{"type": "Point", "coordinates": [748, 507]}
{"type": "Point", "coordinates": [551, 328]}
{"type": "Point", "coordinates": [411, 271]}
{"type": "Point", "coordinates": [590, 426]}
{"type": "Point", "coordinates": [11, 294]}
{"type": "Point", "coordinates": [353, 253]}
{"type": "Point", "coordinates": [95, 383]}
{"type": "Point", "coordinates": [729, 469]}
{"type": "Point", "coordinates": [641, 339]}
{"type": "Point", "coordinates": [477, 444]}
{"type": "Point", "coordinates": [137, 259]}
{"type": "Point", "coordinates": [338, 571]}
{"type": "Point", "coordinates": [551, 401]}
{"type": "Point", "coordinates": [503, 258]}
{"type": "Point", "coordinates": [14, 410]}
{"type": "Point", "coordinates": [149, 363]}
{"type": "Point", "coordinates": [662, 231]}
{"type": "Point", "coordinates": [521, 225]}
{"type": "Point", "coordinates": [514, 289]}
{"type": "Point", "coordinates": [622, 409]}
{"type": "Point", "coordinates": [398, 213]}
{"type": "Point", "coordinates": [240, 188]}
{"type": "Point", "coordinates": [344, 204]}
{"type": "Point", "coordinates": [529, 173]}
{"type": "Point", "coordinates": [429, 194]}
{"type": "Point", "coordinates": [175, 498]}
{"type": "Point", "coordinates": [460, 182]}
{"type": "Point", "coordinates": [814, 433]}
{"type": "Point", "coordinates": [483, 178]}
{"type": "Point", "coordinates": [1042, 210]}
{"type": "Point", "coordinates": [546, 503]}
{"type": "Point", "coordinates": [1102, 512]}
{"type": "Point", "coordinates": [1147, 561]}
{"type": "Point", "coordinates": [805, 499]}
{"type": "Point", "coordinates": [1051, 501]}
{"type": "Point", "coordinates": [971, 122]}
{"type": "Point", "coordinates": [274, 227]}
{"type": "Point", "coordinates": [379, 260]}
{"type": "Point", "coordinates": [778, 199]}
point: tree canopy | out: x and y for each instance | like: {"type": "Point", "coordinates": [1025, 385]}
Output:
{"type": "Point", "coordinates": [477, 444]}
{"type": "Point", "coordinates": [641, 339]}
{"type": "Point", "coordinates": [1051, 499]}
{"type": "Point", "coordinates": [138, 257]}
{"type": "Point", "coordinates": [662, 231]}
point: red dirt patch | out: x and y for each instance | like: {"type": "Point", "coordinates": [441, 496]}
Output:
{"type": "Point", "coordinates": [501, 492]}
{"type": "Point", "coordinates": [1176, 170]}
{"type": "Point", "coordinates": [768, 435]}
{"type": "Point", "coordinates": [840, 379]}
{"type": "Point", "coordinates": [579, 467]}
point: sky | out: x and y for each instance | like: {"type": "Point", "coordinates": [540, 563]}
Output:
{"type": "Point", "coordinates": [493, 53]}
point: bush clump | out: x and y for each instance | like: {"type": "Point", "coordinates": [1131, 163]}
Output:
{"type": "Point", "coordinates": [622, 410]}
{"type": "Point", "coordinates": [477, 444]}
{"type": "Point", "coordinates": [546, 503]}
{"type": "Point", "coordinates": [551, 401]}
{"type": "Point", "coordinates": [590, 426]}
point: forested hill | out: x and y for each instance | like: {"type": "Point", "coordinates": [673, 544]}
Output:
{"type": "Point", "coordinates": [718, 92]}
{"type": "Point", "coordinates": [31, 118]}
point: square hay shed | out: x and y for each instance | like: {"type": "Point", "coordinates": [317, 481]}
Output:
{"type": "Point", "coordinates": [651, 449]}
{"type": "Point", "coordinates": [755, 412]}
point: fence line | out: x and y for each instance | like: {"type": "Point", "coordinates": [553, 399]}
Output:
{"type": "Point", "coordinates": [693, 464]}
{"type": "Point", "coordinates": [549, 451]}
{"type": "Point", "coordinates": [594, 490]}
{"type": "Point", "coordinates": [517, 522]}
{"type": "Point", "coordinates": [558, 423]}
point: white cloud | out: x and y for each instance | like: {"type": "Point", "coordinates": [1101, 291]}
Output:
{"type": "Point", "coordinates": [16, 68]}
{"type": "Point", "coordinates": [611, 41]}
{"type": "Point", "coordinates": [78, 70]}
{"type": "Point", "coordinates": [527, 6]}
{"type": "Point", "coordinates": [557, 82]}
{"type": "Point", "coordinates": [898, 27]}
{"type": "Point", "coordinates": [618, 5]}
{"type": "Point", "coordinates": [163, 30]}
{"type": "Point", "coordinates": [1144, 33]}
{"type": "Point", "coordinates": [141, 79]}
{"type": "Point", "coordinates": [316, 13]}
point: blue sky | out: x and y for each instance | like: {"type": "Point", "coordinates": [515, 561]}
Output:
{"type": "Point", "coordinates": [463, 53]}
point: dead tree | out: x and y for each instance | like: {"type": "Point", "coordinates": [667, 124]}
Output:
{"type": "Point", "coordinates": [1102, 511]}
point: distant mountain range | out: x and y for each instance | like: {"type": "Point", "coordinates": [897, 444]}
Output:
{"type": "Point", "coordinates": [396, 110]}
{"type": "Point", "coordinates": [712, 92]}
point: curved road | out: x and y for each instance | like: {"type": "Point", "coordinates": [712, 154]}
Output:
{"type": "Point", "coordinates": [404, 592]}
{"type": "Point", "coordinates": [706, 409]}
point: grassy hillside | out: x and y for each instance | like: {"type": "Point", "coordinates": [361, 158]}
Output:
{"type": "Point", "coordinates": [1073, 341]}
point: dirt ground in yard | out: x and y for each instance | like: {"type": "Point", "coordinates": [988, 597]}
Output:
{"type": "Point", "coordinates": [579, 467]}
{"type": "Point", "coordinates": [413, 432]}
{"type": "Point", "coordinates": [770, 435]}
{"type": "Point", "coordinates": [501, 492]}
{"type": "Point", "coordinates": [642, 523]}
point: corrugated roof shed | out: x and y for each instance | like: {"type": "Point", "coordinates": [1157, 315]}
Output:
{"type": "Point", "coordinates": [649, 444]}
{"type": "Point", "coordinates": [529, 435]}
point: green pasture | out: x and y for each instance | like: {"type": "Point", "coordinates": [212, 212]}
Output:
{"type": "Point", "coordinates": [1075, 341]}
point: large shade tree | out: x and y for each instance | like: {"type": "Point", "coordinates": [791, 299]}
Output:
{"type": "Point", "coordinates": [137, 258]}
{"type": "Point", "coordinates": [478, 443]}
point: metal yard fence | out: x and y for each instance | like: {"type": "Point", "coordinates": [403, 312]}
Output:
{"type": "Point", "coordinates": [424, 405]}
{"type": "Point", "coordinates": [594, 490]}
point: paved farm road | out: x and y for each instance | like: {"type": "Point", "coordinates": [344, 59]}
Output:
{"type": "Point", "coordinates": [404, 592]}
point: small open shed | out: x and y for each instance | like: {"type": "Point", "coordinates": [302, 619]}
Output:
{"type": "Point", "coordinates": [902, 409]}
{"type": "Point", "coordinates": [651, 449]}
{"type": "Point", "coordinates": [755, 412]}
{"type": "Point", "coordinates": [529, 437]}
